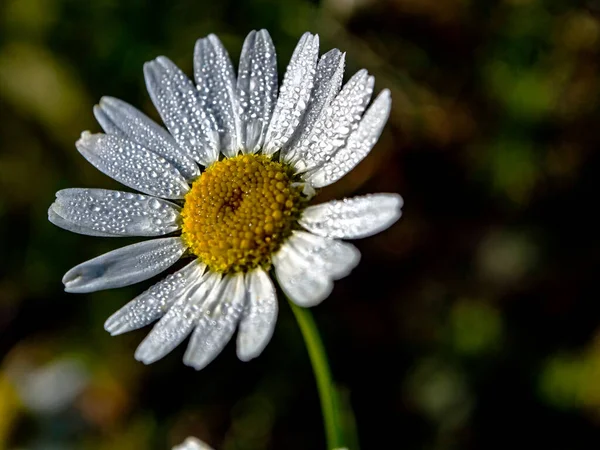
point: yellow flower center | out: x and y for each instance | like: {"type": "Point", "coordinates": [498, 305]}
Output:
{"type": "Point", "coordinates": [239, 211]}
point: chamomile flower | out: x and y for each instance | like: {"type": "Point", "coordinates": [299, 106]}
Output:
{"type": "Point", "coordinates": [228, 182]}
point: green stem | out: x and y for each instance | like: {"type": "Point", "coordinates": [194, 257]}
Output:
{"type": "Point", "coordinates": [318, 359]}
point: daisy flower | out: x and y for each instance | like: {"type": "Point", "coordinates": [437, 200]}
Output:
{"type": "Point", "coordinates": [228, 182]}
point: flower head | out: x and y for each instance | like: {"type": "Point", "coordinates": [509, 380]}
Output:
{"type": "Point", "coordinates": [229, 185]}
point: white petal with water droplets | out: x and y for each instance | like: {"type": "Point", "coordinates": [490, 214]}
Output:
{"type": "Point", "coordinates": [192, 443]}
{"type": "Point", "coordinates": [306, 265]}
{"type": "Point", "coordinates": [336, 258]}
{"type": "Point", "coordinates": [294, 94]}
{"type": "Point", "coordinates": [338, 120]}
{"type": "Point", "coordinates": [73, 227]}
{"type": "Point", "coordinates": [179, 320]}
{"type": "Point", "coordinates": [259, 316]}
{"type": "Point", "coordinates": [217, 320]}
{"type": "Point", "coordinates": [178, 103]}
{"type": "Point", "coordinates": [133, 165]}
{"type": "Point", "coordinates": [121, 119]}
{"type": "Point", "coordinates": [353, 218]}
{"type": "Point", "coordinates": [256, 88]}
{"type": "Point", "coordinates": [152, 304]}
{"type": "Point", "coordinates": [328, 81]}
{"type": "Point", "coordinates": [115, 213]}
{"type": "Point", "coordinates": [124, 266]}
{"type": "Point", "coordinates": [359, 144]}
{"type": "Point", "coordinates": [215, 81]}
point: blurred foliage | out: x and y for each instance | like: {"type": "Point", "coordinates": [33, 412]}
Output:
{"type": "Point", "coordinates": [570, 381]}
{"type": "Point", "coordinates": [472, 323]}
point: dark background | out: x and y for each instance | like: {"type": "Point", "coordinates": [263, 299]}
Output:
{"type": "Point", "coordinates": [473, 323]}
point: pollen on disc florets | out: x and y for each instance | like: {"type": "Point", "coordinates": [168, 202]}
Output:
{"type": "Point", "coordinates": [240, 210]}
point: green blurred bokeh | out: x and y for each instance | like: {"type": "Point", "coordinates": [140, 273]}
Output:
{"type": "Point", "coordinates": [472, 323]}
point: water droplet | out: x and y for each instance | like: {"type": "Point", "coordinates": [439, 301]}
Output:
{"type": "Point", "coordinates": [154, 203]}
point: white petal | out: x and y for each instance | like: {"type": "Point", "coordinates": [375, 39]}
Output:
{"type": "Point", "coordinates": [178, 103]}
{"type": "Point", "coordinates": [114, 213]}
{"type": "Point", "coordinates": [294, 94]}
{"type": "Point", "coordinates": [192, 443]}
{"type": "Point", "coordinates": [306, 265]}
{"type": "Point", "coordinates": [359, 144]}
{"type": "Point", "coordinates": [338, 120]}
{"type": "Point", "coordinates": [179, 320]}
{"type": "Point", "coordinates": [259, 316]}
{"type": "Point", "coordinates": [215, 81]}
{"type": "Point", "coordinates": [353, 218]}
{"type": "Point", "coordinates": [152, 304]}
{"type": "Point", "coordinates": [124, 266]}
{"type": "Point", "coordinates": [217, 320]}
{"type": "Point", "coordinates": [303, 286]}
{"type": "Point", "coordinates": [256, 88]}
{"type": "Point", "coordinates": [133, 165]}
{"type": "Point", "coordinates": [107, 124]}
{"type": "Point", "coordinates": [121, 119]}
{"type": "Point", "coordinates": [328, 81]}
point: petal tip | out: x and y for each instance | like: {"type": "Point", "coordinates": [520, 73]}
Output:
{"type": "Point", "coordinates": [385, 96]}
{"type": "Point", "coordinates": [113, 326]}
{"type": "Point", "coordinates": [245, 357]}
{"type": "Point", "coordinates": [85, 135]}
{"type": "Point", "coordinates": [148, 65]}
{"type": "Point", "coordinates": [399, 200]}
{"type": "Point", "coordinates": [142, 355]}
{"type": "Point", "coordinates": [162, 60]}
{"type": "Point", "coordinates": [198, 44]}
{"type": "Point", "coordinates": [151, 70]}
{"type": "Point", "coordinates": [194, 365]}
{"type": "Point", "coordinates": [108, 101]}
{"type": "Point", "coordinates": [83, 143]}
{"type": "Point", "coordinates": [247, 351]}
{"type": "Point", "coordinates": [72, 290]}
{"type": "Point", "coordinates": [73, 283]}
{"type": "Point", "coordinates": [214, 39]}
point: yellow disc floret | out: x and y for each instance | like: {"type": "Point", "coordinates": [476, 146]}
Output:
{"type": "Point", "coordinates": [240, 210]}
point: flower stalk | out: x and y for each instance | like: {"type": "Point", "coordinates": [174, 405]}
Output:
{"type": "Point", "coordinates": [330, 405]}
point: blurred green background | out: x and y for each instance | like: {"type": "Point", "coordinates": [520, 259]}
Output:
{"type": "Point", "coordinates": [474, 323]}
